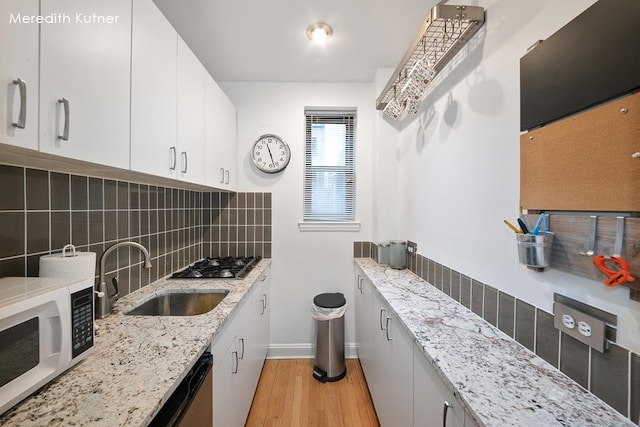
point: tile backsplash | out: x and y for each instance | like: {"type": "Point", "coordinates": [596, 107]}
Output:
{"type": "Point", "coordinates": [41, 211]}
{"type": "Point", "coordinates": [613, 376]}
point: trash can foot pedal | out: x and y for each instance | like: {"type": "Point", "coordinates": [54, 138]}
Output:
{"type": "Point", "coordinates": [321, 375]}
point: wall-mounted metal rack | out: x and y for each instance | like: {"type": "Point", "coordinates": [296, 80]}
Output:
{"type": "Point", "coordinates": [444, 32]}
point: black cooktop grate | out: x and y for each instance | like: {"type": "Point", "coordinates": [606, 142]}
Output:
{"type": "Point", "coordinates": [218, 268]}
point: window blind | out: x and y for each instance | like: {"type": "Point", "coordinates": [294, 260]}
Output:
{"type": "Point", "coordinates": [329, 174]}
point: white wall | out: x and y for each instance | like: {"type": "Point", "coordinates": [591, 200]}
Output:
{"type": "Point", "coordinates": [457, 165]}
{"type": "Point", "coordinates": [304, 263]}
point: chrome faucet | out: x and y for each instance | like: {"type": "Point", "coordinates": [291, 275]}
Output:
{"type": "Point", "coordinates": [104, 302]}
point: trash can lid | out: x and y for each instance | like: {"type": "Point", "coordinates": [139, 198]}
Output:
{"type": "Point", "coordinates": [330, 300]}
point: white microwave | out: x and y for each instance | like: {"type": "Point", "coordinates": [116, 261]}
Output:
{"type": "Point", "coordinates": [46, 326]}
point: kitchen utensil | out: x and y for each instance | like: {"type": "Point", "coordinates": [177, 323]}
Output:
{"type": "Point", "coordinates": [513, 227]}
{"type": "Point", "coordinates": [615, 277]}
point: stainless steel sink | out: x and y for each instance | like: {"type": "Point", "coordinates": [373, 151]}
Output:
{"type": "Point", "coordinates": [180, 303]}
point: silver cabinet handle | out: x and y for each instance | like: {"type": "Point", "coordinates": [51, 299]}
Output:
{"type": "Point", "coordinates": [226, 174]}
{"type": "Point", "coordinates": [381, 311]}
{"type": "Point", "coordinates": [184, 162]}
{"type": "Point", "coordinates": [445, 410]}
{"type": "Point", "coordinates": [235, 369]}
{"type": "Point", "coordinates": [22, 116]}
{"type": "Point", "coordinates": [241, 354]}
{"type": "Point", "coordinates": [387, 329]}
{"type": "Point", "coordinates": [264, 302]}
{"type": "Point", "coordinates": [65, 132]}
{"type": "Point", "coordinates": [221, 175]}
{"type": "Point", "coordinates": [262, 305]}
{"type": "Point", "coordinates": [173, 158]}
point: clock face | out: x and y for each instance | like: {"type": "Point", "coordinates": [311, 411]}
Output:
{"type": "Point", "coordinates": [270, 153]}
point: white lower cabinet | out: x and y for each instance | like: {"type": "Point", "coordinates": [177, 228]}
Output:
{"type": "Point", "coordinates": [434, 405]}
{"type": "Point", "coordinates": [404, 387]}
{"type": "Point", "coordinates": [388, 363]}
{"type": "Point", "coordinates": [238, 352]}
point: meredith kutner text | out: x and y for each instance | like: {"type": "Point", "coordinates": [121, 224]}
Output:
{"type": "Point", "coordinates": [63, 18]}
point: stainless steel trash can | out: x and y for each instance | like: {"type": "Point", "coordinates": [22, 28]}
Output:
{"type": "Point", "coordinates": [328, 312]}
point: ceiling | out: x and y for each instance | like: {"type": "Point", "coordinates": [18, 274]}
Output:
{"type": "Point", "coordinates": [265, 40]}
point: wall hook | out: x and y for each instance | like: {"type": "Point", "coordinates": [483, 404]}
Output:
{"type": "Point", "coordinates": [592, 239]}
{"type": "Point", "coordinates": [617, 246]}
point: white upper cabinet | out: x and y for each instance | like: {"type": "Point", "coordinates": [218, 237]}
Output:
{"type": "Point", "coordinates": [191, 122]}
{"type": "Point", "coordinates": [154, 59]}
{"type": "Point", "coordinates": [220, 136]}
{"type": "Point", "coordinates": [19, 74]}
{"type": "Point", "coordinates": [85, 81]}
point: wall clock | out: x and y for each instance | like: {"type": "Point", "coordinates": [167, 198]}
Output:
{"type": "Point", "coordinates": [270, 153]}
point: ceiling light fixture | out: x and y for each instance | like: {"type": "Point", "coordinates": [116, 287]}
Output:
{"type": "Point", "coordinates": [319, 31]}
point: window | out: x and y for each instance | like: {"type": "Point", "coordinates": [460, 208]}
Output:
{"type": "Point", "coordinates": [329, 173]}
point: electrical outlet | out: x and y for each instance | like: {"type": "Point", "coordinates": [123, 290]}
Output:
{"type": "Point", "coordinates": [568, 321]}
{"type": "Point", "coordinates": [584, 328]}
{"type": "Point", "coordinates": [590, 330]}
{"type": "Point", "coordinates": [412, 248]}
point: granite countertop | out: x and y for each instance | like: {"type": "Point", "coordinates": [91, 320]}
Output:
{"type": "Point", "coordinates": [499, 381]}
{"type": "Point", "coordinates": [137, 361]}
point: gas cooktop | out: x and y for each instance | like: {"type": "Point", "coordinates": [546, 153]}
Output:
{"type": "Point", "coordinates": [218, 268]}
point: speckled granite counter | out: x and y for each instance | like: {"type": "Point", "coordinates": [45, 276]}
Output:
{"type": "Point", "coordinates": [500, 382]}
{"type": "Point", "coordinates": [137, 362]}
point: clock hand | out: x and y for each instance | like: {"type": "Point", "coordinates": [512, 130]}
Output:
{"type": "Point", "coordinates": [269, 149]}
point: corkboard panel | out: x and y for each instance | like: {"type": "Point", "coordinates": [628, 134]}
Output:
{"type": "Point", "coordinates": [571, 230]}
{"type": "Point", "coordinates": [584, 163]}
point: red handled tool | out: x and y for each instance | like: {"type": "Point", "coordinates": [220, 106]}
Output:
{"type": "Point", "coordinates": [617, 277]}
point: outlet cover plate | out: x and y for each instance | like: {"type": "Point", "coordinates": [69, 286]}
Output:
{"type": "Point", "coordinates": [596, 340]}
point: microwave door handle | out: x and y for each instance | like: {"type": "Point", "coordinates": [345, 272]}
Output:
{"type": "Point", "coordinates": [53, 323]}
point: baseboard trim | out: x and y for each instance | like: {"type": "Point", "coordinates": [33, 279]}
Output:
{"type": "Point", "coordinates": [304, 351]}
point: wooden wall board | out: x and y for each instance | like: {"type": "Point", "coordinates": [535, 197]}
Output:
{"type": "Point", "coordinates": [584, 162]}
{"type": "Point", "coordinates": [571, 230]}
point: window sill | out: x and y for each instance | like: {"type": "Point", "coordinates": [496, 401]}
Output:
{"type": "Point", "coordinates": [328, 226]}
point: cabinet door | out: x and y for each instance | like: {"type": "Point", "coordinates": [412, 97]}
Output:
{"type": "Point", "coordinates": [431, 397]}
{"type": "Point", "coordinates": [154, 58]}
{"type": "Point", "coordinates": [220, 136]}
{"type": "Point", "coordinates": [396, 409]}
{"type": "Point", "coordinates": [214, 138]}
{"type": "Point", "coordinates": [364, 324]}
{"type": "Point", "coordinates": [86, 62]}
{"type": "Point", "coordinates": [225, 388]}
{"type": "Point", "coordinates": [191, 106]}
{"type": "Point", "coordinates": [19, 53]}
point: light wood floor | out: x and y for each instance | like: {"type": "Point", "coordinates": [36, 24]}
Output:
{"type": "Point", "coordinates": [288, 396]}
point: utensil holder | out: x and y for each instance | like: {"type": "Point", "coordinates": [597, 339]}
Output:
{"type": "Point", "coordinates": [535, 250]}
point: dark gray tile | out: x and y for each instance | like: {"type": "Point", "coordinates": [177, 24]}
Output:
{"type": "Point", "coordinates": [635, 387]}
{"type": "Point", "coordinates": [267, 200]}
{"type": "Point", "coordinates": [162, 195]}
{"type": "Point", "coordinates": [96, 227]}
{"type": "Point", "coordinates": [110, 226]}
{"type": "Point", "coordinates": [357, 249]}
{"type": "Point", "coordinates": [446, 280]}
{"type": "Point", "coordinates": [431, 277]}
{"type": "Point", "coordinates": [134, 223]}
{"type": "Point", "coordinates": [37, 189]}
{"type": "Point", "coordinates": [505, 313]}
{"type": "Point", "coordinates": [12, 234]}
{"type": "Point", "coordinates": [123, 225]}
{"type": "Point", "coordinates": [96, 194]}
{"type": "Point", "coordinates": [490, 305]}
{"type": "Point", "coordinates": [60, 230]}
{"type": "Point", "coordinates": [79, 193]}
{"type": "Point", "coordinates": [438, 276]}
{"type": "Point", "coordinates": [455, 285]}
{"type": "Point", "coordinates": [574, 359]}
{"type": "Point", "coordinates": [547, 338]}
{"type": "Point", "coordinates": [123, 195]}
{"type": "Point", "coordinates": [477, 296]}
{"type": "Point", "coordinates": [60, 191]}
{"type": "Point", "coordinates": [79, 228]}
{"type": "Point", "coordinates": [110, 194]}
{"type": "Point", "coordinates": [144, 197]}
{"type": "Point", "coordinates": [134, 196]}
{"type": "Point", "coordinates": [33, 265]}
{"type": "Point", "coordinates": [12, 267]}
{"type": "Point", "coordinates": [366, 250]}
{"type": "Point", "coordinates": [609, 370]}
{"type": "Point", "coordinates": [37, 232]}
{"type": "Point", "coordinates": [465, 291]}
{"type": "Point", "coordinates": [153, 197]}
{"type": "Point", "coordinates": [525, 324]}
{"type": "Point", "coordinates": [12, 188]}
